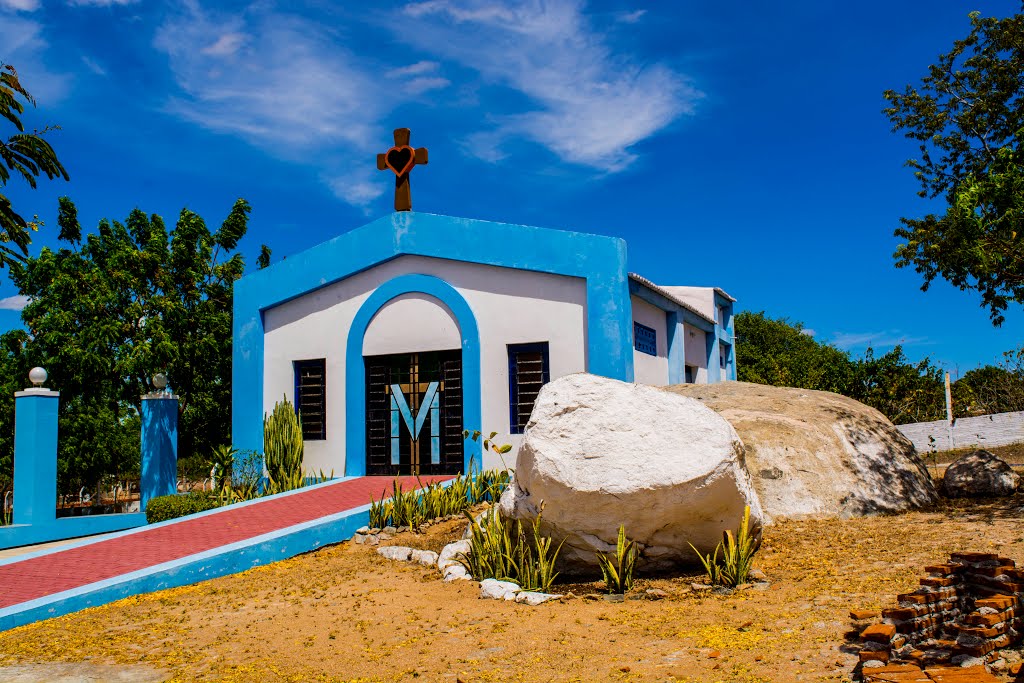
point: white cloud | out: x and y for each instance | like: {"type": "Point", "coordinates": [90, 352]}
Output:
{"type": "Point", "coordinates": [287, 87]}
{"type": "Point", "coordinates": [883, 339]}
{"type": "Point", "coordinates": [14, 303]}
{"type": "Point", "coordinates": [20, 5]}
{"type": "Point", "coordinates": [590, 104]}
{"type": "Point", "coordinates": [23, 47]}
{"type": "Point", "coordinates": [225, 45]}
{"type": "Point", "coordinates": [808, 331]}
{"type": "Point", "coordinates": [631, 17]}
{"type": "Point", "coordinates": [94, 66]}
{"type": "Point", "coordinates": [358, 189]}
{"type": "Point", "coordinates": [101, 3]}
{"type": "Point", "coordinates": [417, 69]}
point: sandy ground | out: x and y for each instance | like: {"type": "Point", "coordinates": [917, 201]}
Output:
{"type": "Point", "coordinates": [345, 614]}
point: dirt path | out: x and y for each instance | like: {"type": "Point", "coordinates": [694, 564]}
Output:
{"type": "Point", "coordinates": [345, 614]}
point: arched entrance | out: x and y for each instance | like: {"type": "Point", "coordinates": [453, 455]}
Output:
{"type": "Point", "coordinates": [412, 380]}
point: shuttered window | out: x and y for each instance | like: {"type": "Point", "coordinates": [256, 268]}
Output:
{"type": "Point", "coordinates": [527, 373]}
{"type": "Point", "coordinates": [311, 398]}
{"type": "Point", "coordinates": [645, 339]}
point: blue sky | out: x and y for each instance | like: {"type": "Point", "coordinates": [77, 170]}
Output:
{"type": "Point", "coordinates": [740, 145]}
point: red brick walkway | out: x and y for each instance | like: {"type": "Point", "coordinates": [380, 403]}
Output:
{"type": "Point", "coordinates": [63, 570]}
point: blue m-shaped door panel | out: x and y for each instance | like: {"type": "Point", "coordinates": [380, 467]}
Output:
{"type": "Point", "coordinates": [400, 413]}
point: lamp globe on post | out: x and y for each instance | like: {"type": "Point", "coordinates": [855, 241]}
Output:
{"type": "Point", "coordinates": [159, 381]}
{"type": "Point", "coordinates": [37, 376]}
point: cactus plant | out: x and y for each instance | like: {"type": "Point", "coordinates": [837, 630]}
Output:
{"type": "Point", "coordinates": [282, 445]}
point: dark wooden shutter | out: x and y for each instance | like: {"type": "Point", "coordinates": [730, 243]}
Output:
{"type": "Point", "coordinates": [645, 339]}
{"type": "Point", "coordinates": [311, 398]}
{"type": "Point", "coordinates": [528, 371]}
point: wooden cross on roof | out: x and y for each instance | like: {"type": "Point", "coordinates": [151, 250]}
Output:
{"type": "Point", "coordinates": [401, 158]}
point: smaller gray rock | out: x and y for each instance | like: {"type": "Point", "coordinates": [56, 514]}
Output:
{"type": "Point", "coordinates": [395, 552]}
{"type": "Point", "coordinates": [655, 594]}
{"type": "Point", "coordinates": [492, 589]}
{"type": "Point", "coordinates": [424, 557]}
{"type": "Point", "coordinates": [873, 664]}
{"type": "Point", "coordinates": [384, 536]}
{"type": "Point", "coordinates": [363, 530]}
{"type": "Point", "coordinates": [700, 587]}
{"type": "Point", "coordinates": [533, 599]}
{"type": "Point", "coordinates": [979, 474]}
{"type": "Point", "coordinates": [359, 539]}
{"type": "Point", "coordinates": [372, 539]}
{"type": "Point", "coordinates": [402, 529]}
{"type": "Point", "coordinates": [375, 530]}
{"type": "Point", "coordinates": [390, 530]}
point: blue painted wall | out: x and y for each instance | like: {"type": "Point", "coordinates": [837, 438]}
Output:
{"type": "Point", "coordinates": [35, 456]}
{"type": "Point", "coordinates": [159, 447]}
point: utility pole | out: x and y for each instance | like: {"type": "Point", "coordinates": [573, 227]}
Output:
{"type": "Point", "coordinates": [949, 413]}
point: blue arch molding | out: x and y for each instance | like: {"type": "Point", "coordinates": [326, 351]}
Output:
{"type": "Point", "coordinates": [601, 261]}
{"type": "Point", "coordinates": [355, 381]}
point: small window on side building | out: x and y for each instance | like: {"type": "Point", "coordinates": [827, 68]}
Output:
{"type": "Point", "coordinates": [311, 397]}
{"type": "Point", "coordinates": [528, 371]}
{"type": "Point", "coordinates": [645, 339]}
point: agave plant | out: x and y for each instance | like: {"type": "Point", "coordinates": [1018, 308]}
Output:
{"type": "Point", "coordinates": [737, 549]}
{"type": "Point", "coordinates": [618, 570]}
{"type": "Point", "coordinates": [738, 552]}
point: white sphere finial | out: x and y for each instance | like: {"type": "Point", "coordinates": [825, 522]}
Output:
{"type": "Point", "coordinates": [37, 376]}
{"type": "Point", "coordinates": [160, 381]}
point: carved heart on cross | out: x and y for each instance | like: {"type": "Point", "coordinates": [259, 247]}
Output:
{"type": "Point", "coordinates": [400, 159]}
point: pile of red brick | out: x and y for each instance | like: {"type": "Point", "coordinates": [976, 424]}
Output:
{"type": "Point", "coordinates": [969, 607]}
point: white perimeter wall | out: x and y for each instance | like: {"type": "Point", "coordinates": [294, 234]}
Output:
{"type": "Point", "coordinates": [999, 429]}
{"type": "Point", "coordinates": [511, 307]}
{"type": "Point", "coordinates": [648, 369]}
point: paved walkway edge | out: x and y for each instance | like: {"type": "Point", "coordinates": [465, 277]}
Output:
{"type": "Point", "coordinates": [229, 559]}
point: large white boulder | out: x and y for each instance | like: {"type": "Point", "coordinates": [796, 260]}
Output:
{"type": "Point", "coordinates": [599, 453]}
{"type": "Point", "coordinates": [818, 454]}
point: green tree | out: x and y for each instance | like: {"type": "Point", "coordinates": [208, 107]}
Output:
{"type": "Point", "coordinates": [967, 118]}
{"type": "Point", "coordinates": [14, 367]}
{"type": "Point", "coordinates": [109, 310]}
{"type": "Point", "coordinates": [25, 154]}
{"type": "Point", "coordinates": [780, 353]}
{"type": "Point", "coordinates": [998, 388]}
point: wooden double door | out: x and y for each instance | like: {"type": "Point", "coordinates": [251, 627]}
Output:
{"type": "Point", "coordinates": [414, 413]}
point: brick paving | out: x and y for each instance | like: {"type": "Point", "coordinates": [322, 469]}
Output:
{"type": "Point", "coordinates": [38, 577]}
{"type": "Point", "coordinates": [908, 673]}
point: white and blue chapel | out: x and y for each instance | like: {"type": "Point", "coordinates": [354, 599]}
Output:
{"type": "Point", "coordinates": [393, 338]}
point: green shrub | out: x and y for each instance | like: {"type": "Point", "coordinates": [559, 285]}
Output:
{"type": "Point", "coordinates": [433, 501]}
{"type": "Point", "coordinates": [162, 508]}
{"type": "Point", "coordinates": [501, 549]}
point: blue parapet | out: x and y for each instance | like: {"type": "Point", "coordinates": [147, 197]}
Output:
{"type": "Point", "coordinates": [159, 447]}
{"type": "Point", "coordinates": [35, 456]}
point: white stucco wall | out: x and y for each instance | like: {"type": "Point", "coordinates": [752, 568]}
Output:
{"type": "Point", "coordinates": [433, 322]}
{"type": "Point", "coordinates": [511, 307]}
{"type": "Point", "coordinates": [701, 298]}
{"type": "Point", "coordinates": [648, 369]}
{"type": "Point", "coordinates": [696, 352]}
